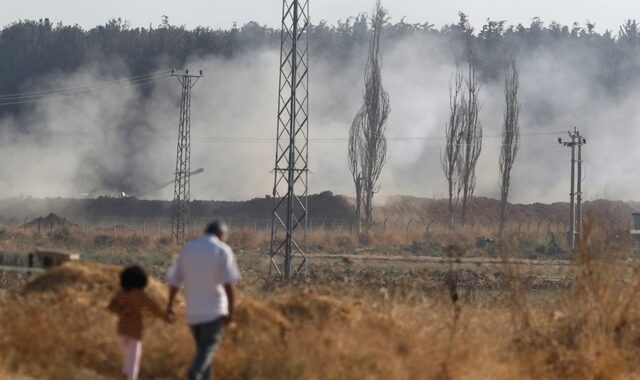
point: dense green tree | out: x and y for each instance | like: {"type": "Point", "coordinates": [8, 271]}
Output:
{"type": "Point", "coordinates": [30, 51]}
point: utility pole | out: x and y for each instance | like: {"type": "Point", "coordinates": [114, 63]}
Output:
{"type": "Point", "coordinates": [581, 141]}
{"type": "Point", "coordinates": [289, 219]}
{"type": "Point", "coordinates": [182, 188]}
{"type": "Point", "coordinates": [575, 211]}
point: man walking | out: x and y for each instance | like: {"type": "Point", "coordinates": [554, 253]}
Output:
{"type": "Point", "coordinates": [207, 269]}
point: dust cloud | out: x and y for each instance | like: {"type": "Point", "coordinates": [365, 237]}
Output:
{"type": "Point", "coordinates": [115, 140]}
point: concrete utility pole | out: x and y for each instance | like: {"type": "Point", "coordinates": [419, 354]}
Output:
{"type": "Point", "coordinates": [581, 141]}
{"type": "Point", "coordinates": [182, 189]}
{"type": "Point", "coordinates": [575, 211]}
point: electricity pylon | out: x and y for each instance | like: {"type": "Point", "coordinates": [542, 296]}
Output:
{"type": "Point", "coordinates": [182, 189]}
{"type": "Point", "coordinates": [289, 219]}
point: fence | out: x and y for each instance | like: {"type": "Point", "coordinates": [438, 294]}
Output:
{"type": "Point", "coordinates": [160, 228]}
{"type": "Point", "coordinates": [15, 270]}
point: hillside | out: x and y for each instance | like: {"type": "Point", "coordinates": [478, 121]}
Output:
{"type": "Point", "coordinates": [323, 206]}
{"type": "Point", "coordinates": [487, 211]}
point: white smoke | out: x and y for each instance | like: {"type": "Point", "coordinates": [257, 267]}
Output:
{"type": "Point", "coordinates": [70, 146]}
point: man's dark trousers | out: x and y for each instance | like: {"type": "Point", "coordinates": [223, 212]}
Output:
{"type": "Point", "coordinates": [207, 336]}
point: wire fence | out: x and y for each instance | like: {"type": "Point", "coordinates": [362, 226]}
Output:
{"type": "Point", "coordinates": [160, 228]}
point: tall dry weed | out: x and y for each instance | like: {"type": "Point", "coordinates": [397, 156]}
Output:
{"type": "Point", "coordinates": [592, 330]}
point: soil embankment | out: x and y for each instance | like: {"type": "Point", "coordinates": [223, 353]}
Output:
{"type": "Point", "coordinates": [323, 206]}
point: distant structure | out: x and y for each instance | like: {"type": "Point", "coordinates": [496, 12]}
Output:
{"type": "Point", "coordinates": [50, 259]}
{"type": "Point", "coordinates": [635, 231]}
{"type": "Point", "coordinates": [182, 189]}
{"type": "Point", "coordinates": [289, 218]}
{"type": "Point", "coordinates": [575, 211]}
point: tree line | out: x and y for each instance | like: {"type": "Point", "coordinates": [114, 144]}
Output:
{"type": "Point", "coordinates": [33, 49]}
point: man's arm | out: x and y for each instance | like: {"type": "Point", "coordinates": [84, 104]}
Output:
{"type": "Point", "coordinates": [231, 276]}
{"type": "Point", "coordinates": [228, 288]}
{"type": "Point", "coordinates": [175, 279]}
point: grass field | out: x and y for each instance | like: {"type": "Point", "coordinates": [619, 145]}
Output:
{"type": "Point", "coordinates": [361, 313]}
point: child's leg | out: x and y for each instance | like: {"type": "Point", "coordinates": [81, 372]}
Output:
{"type": "Point", "coordinates": [123, 340]}
{"type": "Point", "coordinates": [131, 352]}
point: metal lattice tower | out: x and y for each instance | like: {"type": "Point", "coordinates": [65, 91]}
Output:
{"type": "Point", "coordinates": [289, 219]}
{"type": "Point", "coordinates": [182, 189]}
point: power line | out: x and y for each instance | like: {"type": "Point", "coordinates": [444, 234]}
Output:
{"type": "Point", "coordinates": [62, 95]}
{"type": "Point", "coordinates": [78, 93]}
{"type": "Point", "coordinates": [269, 140]}
{"type": "Point", "coordinates": [82, 87]}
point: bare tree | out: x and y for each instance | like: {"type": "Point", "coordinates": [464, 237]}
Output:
{"type": "Point", "coordinates": [472, 136]}
{"type": "Point", "coordinates": [453, 131]}
{"type": "Point", "coordinates": [355, 149]}
{"type": "Point", "coordinates": [367, 134]}
{"type": "Point", "coordinates": [510, 137]}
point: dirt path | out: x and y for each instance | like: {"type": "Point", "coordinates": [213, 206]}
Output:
{"type": "Point", "coordinates": [440, 260]}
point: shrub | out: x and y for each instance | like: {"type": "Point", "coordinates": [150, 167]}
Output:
{"type": "Point", "coordinates": [244, 239]}
{"type": "Point", "coordinates": [345, 241]}
{"type": "Point", "coordinates": [102, 241]}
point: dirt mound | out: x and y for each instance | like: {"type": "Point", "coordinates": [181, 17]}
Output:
{"type": "Point", "coordinates": [78, 277]}
{"type": "Point", "coordinates": [50, 221]}
{"type": "Point", "coordinates": [324, 205]}
{"type": "Point", "coordinates": [486, 211]}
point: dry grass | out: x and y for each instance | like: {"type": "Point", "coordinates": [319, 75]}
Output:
{"type": "Point", "coordinates": [150, 240]}
{"type": "Point", "coordinates": [56, 327]}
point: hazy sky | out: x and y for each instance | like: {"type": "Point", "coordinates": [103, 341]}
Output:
{"type": "Point", "coordinates": [218, 13]}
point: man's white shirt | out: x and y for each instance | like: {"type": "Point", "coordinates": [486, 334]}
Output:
{"type": "Point", "coordinates": [203, 267]}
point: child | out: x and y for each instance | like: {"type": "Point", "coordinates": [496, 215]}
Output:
{"type": "Point", "coordinates": [128, 304]}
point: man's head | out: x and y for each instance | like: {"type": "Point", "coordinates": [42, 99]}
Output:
{"type": "Point", "coordinates": [218, 229]}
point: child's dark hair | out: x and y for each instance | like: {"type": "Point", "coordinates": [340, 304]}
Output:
{"type": "Point", "coordinates": [133, 277]}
